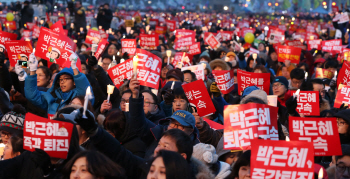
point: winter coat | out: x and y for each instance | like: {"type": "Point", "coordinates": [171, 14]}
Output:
{"type": "Point", "coordinates": [54, 99]}
{"type": "Point", "coordinates": [208, 135]}
{"type": "Point", "coordinates": [155, 118]}
{"type": "Point", "coordinates": [27, 14]}
{"type": "Point", "coordinates": [79, 18]}
{"type": "Point", "coordinates": [105, 20]}
{"type": "Point", "coordinates": [5, 79]}
{"type": "Point", "coordinates": [149, 133]}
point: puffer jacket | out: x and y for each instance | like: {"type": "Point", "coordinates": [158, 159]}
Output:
{"type": "Point", "coordinates": [54, 99]}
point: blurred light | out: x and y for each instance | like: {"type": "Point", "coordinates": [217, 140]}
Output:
{"type": "Point", "coordinates": [248, 0]}
{"type": "Point", "coordinates": [282, 17]}
{"type": "Point", "coordinates": [225, 8]}
{"type": "Point", "coordinates": [269, 4]}
{"type": "Point", "coordinates": [246, 5]}
{"type": "Point", "coordinates": [292, 23]}
{"type": "Point", "coordinates": [325, 7]}
{"type": "Point", "coordinates": [183, 7]}
{"type": "Point", "coordinates": [324, 3]}
{"type": "Point", "coordinates": [293, 19]}
{"type": "Point", "coordinates": [55, 7]}
{"type": "Point", "coordinates": [149, 2]}
{"type": "Point", "coordinates": [334, 3]}
{"type": "Point", "coordinates": [219, 21]}
{"type": "Point", "coordinates": [276, 4]}
{"type": "Point", "coordinates": [204, 7]}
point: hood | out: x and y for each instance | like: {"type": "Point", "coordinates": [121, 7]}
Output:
{"type": "Point", "coordinates": [219, 62]}
{"type": "Point", "coordinates": [200, 170]}
{"type": "Point", "coordinates": [55, 83]}
{"type": "Point", "coordinates": [220, 148]}
{"type": "Point", "coordinates": [344, 114]}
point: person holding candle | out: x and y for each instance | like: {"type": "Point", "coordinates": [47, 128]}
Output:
{"type": "Point", "coordinates": [67, 84]}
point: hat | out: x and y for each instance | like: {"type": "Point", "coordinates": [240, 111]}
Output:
{"type": "Point", "coordinates": [205, 153]}
{"type": "Point", "coordinates": [2, 46]}
{"type": "Point", "coordinates": [56, 50]}
{"type": "Point", "coordinates": [175, 73]}
{"type": "Point", "coordinates": [205, 53]}
{"type": "Point", "coordinates": [320, 60]}
{"type": "Point", "coordinates": [13, 122]}
{"type": "Point", "coordinates": [344, 114]}
{"type": "Point", "coordinates": [230, 54]}
{"type": "Point", "coordinates": [185, 118]}
{"type": "Point", "coordinates": [207, 66]}
{"type": "Point", "coordinates": [218, 63]}
{"type": "Point", "coordinates": [281, 79]}
{"type": "Point", "coordinates": [248, 90]}
{"type": "Point", "coordinates": [258, 93]}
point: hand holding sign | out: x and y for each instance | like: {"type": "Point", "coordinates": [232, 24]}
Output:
{"type": "Point", "coordinates": [134, 87]}
{"type": "Point", "coordinates": [73, 59]}
{"type": "Point", "coordinates": [33, 62]}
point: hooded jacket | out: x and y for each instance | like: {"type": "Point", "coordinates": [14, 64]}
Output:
{"type": "Point", "coordinates": [54, 99]}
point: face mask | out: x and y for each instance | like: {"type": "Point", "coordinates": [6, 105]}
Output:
{"type": "Point", "coordinates": [83, 49]}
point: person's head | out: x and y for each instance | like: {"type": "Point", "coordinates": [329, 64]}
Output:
{"type": "Point", "coordinates": [13, 148]}
{"type": "Point", "coordinates": [253, 94]}
{"type": "Point", "coordinates": [169, 165]}
{"type": "Point", "coordinates": [106, 60]}
{"type": "Point", "coordinates": [241, 169]}
{"type": "Point", "coordinates": [112, 50]}
{"type": "Point", "coordinates": [230, 157]}
{"type": "Point", "coordinates": [42, 62]}
{"type": "Point", "coordinates": [180, 100]}
{"type": "Point", "coordinates": [319, 62]}
{"type": "Point", "coordinates": [175, 75]}
{"type": "Point", "coordinates": [189, 76]}
{"type": "Point", "coordinates": [261, 47]}
{"type": "Point", "coordinates": [92, 164]}
{"type": "Point", "coordinates": [115, 123]}
{"type": "Point", "coordinates": [297, 77]}
{"type": "Point", "coordinates": [43, 76]}
{"type": "Point", "coordinates": [343, 163]}
{"type": "Point", "coordinates": [79, 101]}
{"type": "Point", "coordinates": [177, 141]}
{"type": "Point", "coordinates": [331, 65]}
{"type": "Point", "coordinates": [273, 56]}
{"type": "Point", "coordinates": [106, 6]}
{"type": "Point", "coordinates": [304, 66]}
{"type": "Point", "coordinates": [182, 120]}
{"type": "Point", "coordinates": [165, 69]}
{"type": "Point", "coordinates": [218, 64]}
{"type": "Point", "coordinates": [84, 68]}
{"type": "Point", "coordinates": [12, 123]}
{"type": "Point", "coordinates": [77, 4]}
{"type": "Point", "coordinates": [26, 3]}
{"type": "Point", "coordinates": [260, 69]}
{"type": "Point", "coordinates": [125, 99]}
{"type": "Point", "coordinates": [343, 121]}
{"type": "Point", "coordinates": [280, 86]}
{"type": "Point", "coordinates": [54, 68]}
{"type": "Point", "coordinates": [204, 59]}
{"type": "Point", "coordinates": [318, 85]}
{"type": "Point", "coordinates": [150, 105]}
{"type": "Point", "coordinates": [231, 56]}
{"type": "Point", "coordinates": [285, 72]}
{"type": "Point", "coordinates": [66, 82]}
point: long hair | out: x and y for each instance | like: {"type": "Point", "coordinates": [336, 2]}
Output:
{"type": "Point", "coordinates": [243, 160]}
{"type": "Point", "coordinates": [115, 123]}
{"type": "Point", "coordinates": [175, 165]}
{"type": "Point", "coordinates": [98, 165]}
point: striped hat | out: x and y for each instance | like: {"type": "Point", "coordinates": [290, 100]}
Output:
{"type": "Point", "coordinates": [13, 123]}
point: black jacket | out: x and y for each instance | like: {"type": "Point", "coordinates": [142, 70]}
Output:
{"type": "Point", "coordinates": [155, 118]}
{"type": "Point", "coordinates": [27, 14]}
{"type": "Point", "coordinates": [79, 19]}
{"type": "Point", "coordinates": [104, 18]}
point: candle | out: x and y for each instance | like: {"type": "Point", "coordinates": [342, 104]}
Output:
{"type": "Point", "coordinates": [172, 85]}
{"type": "Point", "coordinates": [168, 54]}
{"type": "Point", "coordinates": [122, 60]}
{"type": "Point", "coordinates": [255, 56]}
{"type": "Point", "coordinates": [109, 66]}
{"type": "Point", "coordinates": [135, 61]}
{"type": "Point", "coordinates": [296, 94]}
{"type": "Point", "coordinates": [287, 139]}
{"type": "Point", "coordinates": [335, 75]}
{"type": "Point", "coordinates": [320, 174]}
{"type": "Point", "coordinates": [182, 59]}
{"type": "Point", "coordinates": [126, 107]}
{"type": "Point", "coordinates": [306, 75]}
{"type": "Point", "coordinates": [110, 89]}
{"type": "Point", "coordinates": [314, 53]}
{"type": "Point", "coordinates": [87, 97]}
{"type": "Point", "coordinates": [33, 50]}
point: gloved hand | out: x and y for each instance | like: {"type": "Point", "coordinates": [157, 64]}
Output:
{"type": "Point", "coordinates": [169, 96]}
{"type": "Point", "coordinates": [214, 89]}
{"type": "Point", "coordinates": [42, 160]}
{"type": "Point", "coordinates": [20, 72]}
{"type": "Point", "coordinates": [92, 61]}
{"type": "Point", "coordinates": [33, 62]}
{"type": "Point", "coordinates": [291, 105]}
{"type": "Point", "coordinates": [2, 58]}
{"type": "Point", "coordinates": [87, 122]}
{"type": "Point", "coordinates": [343, 107]}
{"type": "Point", "coordinates": [73, 60]}
{"type": "Point", "coordinates": [333, 84]}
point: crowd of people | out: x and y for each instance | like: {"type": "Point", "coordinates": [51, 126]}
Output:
{"type": "Point", "coordinates": [137, 133]}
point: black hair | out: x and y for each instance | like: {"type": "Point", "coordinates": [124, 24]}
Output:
{"type": "Point", "coordinates": [184, 144]}
{"type": "Point", "coordinates": [194, 77]}
{"type": "Point", "coordinates": [46, 71]}
{"type": "Point", "coordinates": [317, 81]}
{"type": "Point", "coordinates": [54, 67]}
{"type": "Point", "coordinates": [107, 56]}
{"type": "Point", "coordinates": [297, 73]}
{"type": "Point", "coordinates": [115, 123]}
{"type": "Point", "coordinates": [243, 160]}
{"type": "Point", "coordinates": [98, 165]}
{"type": "Point", "coordinates": [43, 61]}
{"type": "Point", "coordinates": [175, 165]}
{"type": "Point", "coordinates": [180, 93]}
{"type": "Point", "coordinates": [331, 64]}
{"type": "Point", "coordinates": [345, 150]}
{"type": "Point", "coordinates": [126, 91]}
{"type": "Point", "coordinates": [155, 99]}
{"type": "Point", "coordinates": [17, 144]}
{"type": "Point", "coordinates": [19, 109]}
{"type": "Point", "coordinates": [304, 64]}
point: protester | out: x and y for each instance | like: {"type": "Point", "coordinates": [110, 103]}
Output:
{"type": "Point", "coordinates": [13, 148]}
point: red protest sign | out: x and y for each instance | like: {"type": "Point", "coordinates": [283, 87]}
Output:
{"type": "Point", "coordinates": [275, 35]}
{"type": "Point", "coordinates": [323, 73]}
{"type": "Point", "coordinates": [18, 50]}
{"type": "Point", "coordinates": [310, 28]}
{"type": "Point", "coordinates": [92, 36]}
{"type": "Point", "coordinates": [153, 22]}
{"type": "Point", "coordinates": [120, 72]}
{"type": "Point", "coordinates": [295, 43]}
{"type": "Point", "coordinates": [36, 32]}
{"type": "Point", "coordinates": [314, 44]}
{"type": "Point", "coordinates": [288, 53]}
{"type": "Point", "coordinates": [63, 20]}
{"type": "Point", "coordinates": [103, 34]}
{"type": "Point", "coordinates": [180, 32]}
{"type": "Point", "coordinates": [171, 25]}
{"type": "Point", "coordinates": [245, 79]}
{"type": "Point", "coordinates": [224, 80]}
{"type": "Point", "coordinates": [322, 132]}
{"type": "Point", "coordinates": [100, 48]}
{"type": "Point", "coordinates": [335, 8]}
{"type": "Point", "coordinates": [161, 29]}
{"type": "Point", "coordinates": [5, 36]}
{"type": "Point", "coordinates": [149, 41]}
{"type": "Point", "coordinates": [11, 25]}
{"type": "Point", "coordinates": [148, 68]}
{"type": "Point", "coordinates": [344, 75]}
{"type": "Point", "coordinates": [273, 159]}
{"type": "Point", "coordinates": [226, 35]}
{"type": "Point", "coordinates": [129, 46]}
{"type": "Point", "coordinates": [196, 69]}
{"type": "Point", "coordinates": [181, 57]}
{"type": "Point", "coordinates": [195, 49]}
{"type": "Point", "coordinates": [308, 103]}
{"type": "Point", "coordinates": [333, 46]}
{"type": "Point", "coordinates": [197, 94]}
{"type": "Point", "coordinates": [184, 42]}
{"type": "Point", "coordinates": [30, 25]}
{"type": "Point", "coordinates": [55, 47]}
{"type": "Point", "coordinates": [248, 121]}
{"type": "Point", "coordinates": [214, 125]}
{"type": "Point", "coordinates": [27, 35]}
{"type": "Point", "coordinates": [57, 27]}
{"type": "Point", "coordinates": [212, 41]}
{"type": "Point", "coordinates": [246, 30]}
{"type": "Point", "coordinates": [343, 96]}
{"type": "Point", "coordinates": [49, 135]}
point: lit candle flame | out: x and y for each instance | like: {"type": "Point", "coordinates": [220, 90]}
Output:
{"type": "Point", "coordinates": [320, 174]}
{"type": "Point", "coordinates": [287, 139]}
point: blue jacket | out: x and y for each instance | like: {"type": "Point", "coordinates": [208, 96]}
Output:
{"type": "Point", "coordinates": [46, 100]}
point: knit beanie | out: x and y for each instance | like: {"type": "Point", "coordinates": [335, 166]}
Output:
{"type": "Point", "coordinates": [205, 153]}
{"type": "Point", "coordinates": [282, 80]}
{"type": "Point", "coordinates": [13, 123]}
{"type": "Point", "coordinates": [260, 94]}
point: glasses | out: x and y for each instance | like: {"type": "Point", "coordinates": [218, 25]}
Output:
{"type": "Point", "coordinates": [124, 101]}
{"type": "Point", "coordinates": [147, 103]}
{"type": "Point", "coordinates": [3, 134]}
{"type": "Point", "coordinates": [176, 126]}
{"type": "Point", "coordinates": [341, 123]}
{"type": "Point", "coordinates": [64, 79]}
{"type": "Point", "coordinates": [276, 85]}
{"type": "Point", "coordinates": [341, 168]}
